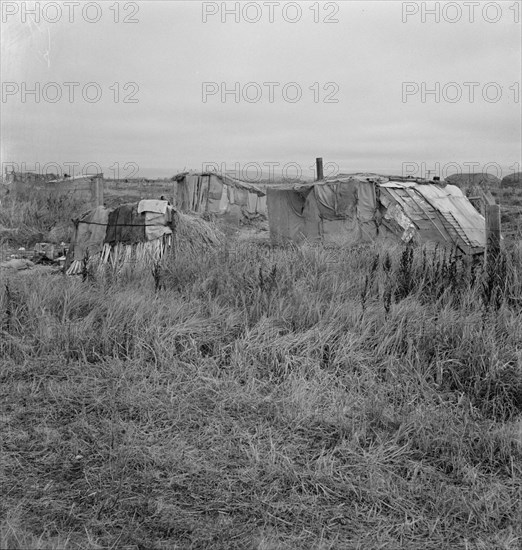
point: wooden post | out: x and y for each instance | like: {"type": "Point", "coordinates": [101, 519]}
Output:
{"type": "Point", "coordinates": [319, 168]}
{"type": "Point", "coordinates": [99, 190]}
{"type": "Point", "coordinates": [174, 193]}
{"type": "Point", "coordinates": [492, 234]}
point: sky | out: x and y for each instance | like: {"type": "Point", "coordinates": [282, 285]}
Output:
{"type": "Point", "coordinates": [147, 89]}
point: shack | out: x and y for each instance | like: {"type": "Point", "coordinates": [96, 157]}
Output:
{"type": "Point", "coordinates": [355, 208]}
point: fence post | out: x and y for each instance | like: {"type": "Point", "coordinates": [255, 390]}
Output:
{"type": "Point", "coordinates": [492, 235]}
{"type": "Point", "coordinates": [175, 193]}
{"type": "Point", "coordinates": [319, 168]}
{"type": "Point", "coordinates": [99, 189]}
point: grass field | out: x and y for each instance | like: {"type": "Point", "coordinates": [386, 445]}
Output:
{"type": "Point", "coordinates": [257, 397]}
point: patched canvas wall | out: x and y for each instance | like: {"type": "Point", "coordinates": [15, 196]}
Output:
{"type": "Point", "coordinates": [285, 213]}
{"type": "Point", "coordinates": [218, 195]}
{"type": "Point", "coordinates": [328, 212]}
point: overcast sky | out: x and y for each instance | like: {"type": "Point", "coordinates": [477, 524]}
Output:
{"type": "Point", "coordinates": [362, 81]}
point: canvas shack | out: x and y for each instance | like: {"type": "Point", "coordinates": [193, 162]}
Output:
{"type": "Point", "coordinates": [128, 234]}
{"type": "Point", "coordinates": [355, 208]}
{"type": "Point", "coordinates": [86, 189]}
{"type": "Point", "coordinates": [207, 192]}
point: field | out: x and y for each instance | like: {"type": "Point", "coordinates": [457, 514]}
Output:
{"type": "Point", "coordinates": [254, 397]}
{"type": "Point", "coordinates": [118, 191]}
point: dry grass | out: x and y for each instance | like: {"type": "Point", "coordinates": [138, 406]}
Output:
{"type": "Point", "coordinates": [265, 398]}
{"type": "Point", "coordinates": [42, 218]}
{"type": "Point", "coordinates": [194, 236]}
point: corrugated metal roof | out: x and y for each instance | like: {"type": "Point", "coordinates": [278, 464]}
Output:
{"type": "Point", "coordinates": [450, 200]}
{"type": "Point", "coordinates": [441, 211]}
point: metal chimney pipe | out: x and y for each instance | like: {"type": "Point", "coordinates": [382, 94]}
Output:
{"type": "Point", "coordinates": [319, 168]}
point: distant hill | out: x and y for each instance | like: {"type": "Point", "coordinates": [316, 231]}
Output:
{"type": "Point", "coordinates": [482, 179]}
{"type": "Point", "coordinates": [513, 180]}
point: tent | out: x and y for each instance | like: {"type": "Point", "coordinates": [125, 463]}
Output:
{"type": "Point", "coordinates": [219, 194]}
{"type": "Point", "coordinates": [350, 209]}
{"type": "Point", "coordinates": [130, 233]}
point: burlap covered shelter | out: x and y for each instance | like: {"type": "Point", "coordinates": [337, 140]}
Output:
{"type": "Point", "coordinates": [130, 233]}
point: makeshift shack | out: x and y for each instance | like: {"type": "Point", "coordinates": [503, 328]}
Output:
{"type": "Point", "coordinates": [355, 208]}
{"type": "Point", "coordinates": [83, 189]}
{"type": "Point", "coordinates": [131, 233]}
{"type": "Point", "coordinates": [208, 192]}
